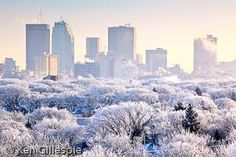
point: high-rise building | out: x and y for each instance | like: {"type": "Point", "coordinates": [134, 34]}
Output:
{"type": "Point", "coordinates": [37, 43]}
{"type": "Point", "coordinates": [63, 46]}
{"type": "Point", "coordinates": [156, 59]}
{"type": "Point", "coordinates": [121, 42]}
{"type": "Point", "coordinates": [92, 47]}
{"type": "Point", "coordinates": [205, 52]}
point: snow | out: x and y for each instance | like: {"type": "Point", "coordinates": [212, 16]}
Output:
{"type": "Point", "coordinates": [119, 117]}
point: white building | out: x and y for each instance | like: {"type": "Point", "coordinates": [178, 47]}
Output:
{"type": "Point", "coordinates": [63, 46]}
{"type": "Point", "coordinates": [205, 53]}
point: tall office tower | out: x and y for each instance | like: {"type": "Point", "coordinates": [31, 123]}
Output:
{"type": "Point", "coordinates": [37, 42]}
{"type": "Point", "coordinates": [205, 53]}
{"type": "Point", "coordinates": [92, 47]}
{"type": "Point", "coordinates": [121, 42]}
{"type": "Point", "coordinates": [63, 46]}
{"type": "Point", "coordinates": [156, 59]}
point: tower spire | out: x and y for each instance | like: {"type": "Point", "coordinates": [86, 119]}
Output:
{"type": "Point", "coordinates": [40, 20]}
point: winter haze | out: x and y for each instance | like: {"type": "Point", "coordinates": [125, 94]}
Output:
{"type": "Point", "coordinates": [117, 78]}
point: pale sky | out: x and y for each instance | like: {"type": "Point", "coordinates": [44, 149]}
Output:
{"type": "Point", "coordinates": [169, 24]}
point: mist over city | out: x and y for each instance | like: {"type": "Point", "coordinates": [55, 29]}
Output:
{"type": "Point", "coordinates": [120, 78]}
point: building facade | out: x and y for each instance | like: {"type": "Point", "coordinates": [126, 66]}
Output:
{"type": "Point", "coordinates": [92, 47]}
{"type": "Point", "coordinates": [121, 42]}
{"type": "Point", "coordinates": [102, 60]}
{"type": "Point", "coordinates": [205, 53]}
{"type": "Point", "coordinates": [63, 46]}
{"type": "Point", "coordinates": [156, 59]}
{"type": "Point", "coordinates": [87, 69]}
{"type": "Point", "coordinates": [37, 43]}
{"type": "Point", "coordinates": [47, 65]}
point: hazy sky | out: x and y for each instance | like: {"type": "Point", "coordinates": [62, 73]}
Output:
{"type": "Point", "coordinates": [171, 24]}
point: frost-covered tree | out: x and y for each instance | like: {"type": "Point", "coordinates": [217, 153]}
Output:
{"type": "Point", "coordinates": [130, 119]}
{"type": "Point", "coordinates": [46, 112]}
{"type": "Point", "coordinates": [179, 106]}
{"type": "Point", "coordinates": [10, 95]}
{"type": "Point", "coordinates": [186, 145]}
{"type": "Point", "coordinates": [99, 151]}
{"type": "Point", "coordinates": [230, 150]}
{"type": "Point", "coordinates": [191, 122]}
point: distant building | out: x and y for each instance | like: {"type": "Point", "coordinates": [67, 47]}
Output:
{"type": "Point", "coordinates": [156, 59]}
{"type": "Point", "coordinates": [53, 65]}
{"type": "Point", "coordinates": [63, 46]}
{"type": "Point", "coordinates": [1, 70]}
{"type": "Point", "coordinates": [139, 58]}
{"type": "Point", "coordinates": [87, 69]}
{"type": "Point", "coordinates": [2, 66]}
{"type": "Point", "coordinates": [37, 43]}
{"type": "Point", "coordinates": [10, 64]}
{"type": "Point", "coordinates": [47, 65]}
{"type": "Point", "coordinates": [102, 60]}
{"type": "Point", "coordinates": [228, 68]}
{"type": "Point", "coordinates": [41, 65]}
{"type": "Point", "coordinates": [121, 42]}
{"type": "Point", "coordinates": [205, 53]}
{"type": "Point", "coordinates": [9, 69]}
{"type": "Point", "coordinates": [125, 69]}
{"type": "Point", "coordinates": [92, 47]}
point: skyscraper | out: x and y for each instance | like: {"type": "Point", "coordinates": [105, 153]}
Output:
{"type": "Point", "coordinates": [121, 42]}
{"type": "Point", "coordinates": [156, 59]}
{"type": "Point", "coordinates": [63, 46]}
{"type": "Point", "coordinates": [37, 43]}
{"type": "Point", "coordinates": [205, 52]}
{"type": "Point", "coordinates": [92, 47]}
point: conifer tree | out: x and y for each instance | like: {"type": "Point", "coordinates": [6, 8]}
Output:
{"type": "Point", "coordinates": [198, 91]}
{"type": "Point", "coordinates": [179, 107]}
{"type": "Point", "coordinates": [191, 123]}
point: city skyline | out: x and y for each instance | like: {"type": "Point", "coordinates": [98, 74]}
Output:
{"type": "Point", "coordinates": [171, 25]}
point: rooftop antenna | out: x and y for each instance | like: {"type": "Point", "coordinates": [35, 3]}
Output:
{"type": "Point", "coordinates": [61, 18]}
{"type": "Point", "coordinates": [40, 20]}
